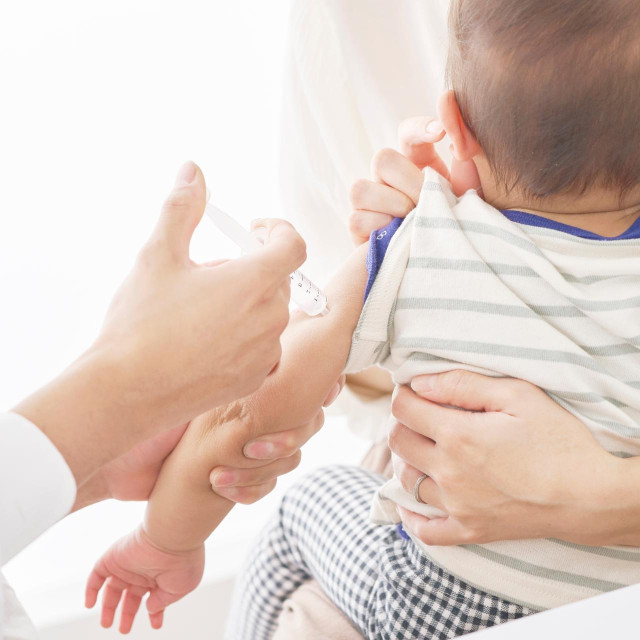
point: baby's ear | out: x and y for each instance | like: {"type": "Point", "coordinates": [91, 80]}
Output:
{"type": "Point", "coordinates": [464, 146]}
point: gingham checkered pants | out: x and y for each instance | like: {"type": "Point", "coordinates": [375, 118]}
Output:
{"type": "Point", "coordinates": [381, 581]}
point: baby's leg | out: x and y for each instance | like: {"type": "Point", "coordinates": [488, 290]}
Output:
{"type": "Point", "coordinates": [321, 530]}
{"type": "Point", "coordinates": [381, 581]}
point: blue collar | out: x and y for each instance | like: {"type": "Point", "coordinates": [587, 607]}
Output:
{"type": "Point", "coordinates": [632, 233]}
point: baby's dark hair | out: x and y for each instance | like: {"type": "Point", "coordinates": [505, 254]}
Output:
{"type": "Point", "coordinates": [551, 90]}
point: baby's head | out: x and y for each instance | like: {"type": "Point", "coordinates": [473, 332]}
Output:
{"type": "Point", "coordinates": [546, 94]}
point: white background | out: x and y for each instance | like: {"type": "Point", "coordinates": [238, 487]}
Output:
{"type": "Point", "coordinates": [100, 103]}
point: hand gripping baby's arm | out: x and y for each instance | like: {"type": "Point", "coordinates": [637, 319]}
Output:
{"type": "Point", "coordinates": [165, 555]}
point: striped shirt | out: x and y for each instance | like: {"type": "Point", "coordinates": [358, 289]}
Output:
{"type": "Point", "coordinates": [464, 286]}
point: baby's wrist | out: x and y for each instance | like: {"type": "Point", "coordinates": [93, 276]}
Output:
{"type": "Point", "coordinates": [163, 543]}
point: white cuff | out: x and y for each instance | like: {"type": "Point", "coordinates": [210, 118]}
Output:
{"type": "Point", "coordinates": [37, 487]}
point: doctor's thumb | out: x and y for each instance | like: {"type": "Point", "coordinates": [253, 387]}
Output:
{"type": "Point", "coordinates": [181, 212]}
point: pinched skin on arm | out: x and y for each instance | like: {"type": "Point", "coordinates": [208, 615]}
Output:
{"type": "Point", "coordinates": [183, 510]}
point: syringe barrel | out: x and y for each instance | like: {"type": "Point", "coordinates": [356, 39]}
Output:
{"type": "Point", "coordinates": [307, 295]}
{"type": "Point", "coordinates": [303, 292]}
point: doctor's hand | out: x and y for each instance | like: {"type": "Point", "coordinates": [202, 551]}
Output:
{"type": "Point", "coordinates": [394, 188]}
{"type": "Point", "coordinates": [509, 464]}
{"type": "Point", "coordinates": [132, 475]}
{"type": "Point", "coordinates": [279, 454]}
{"type": "Point", "coordinates": [178, 339]}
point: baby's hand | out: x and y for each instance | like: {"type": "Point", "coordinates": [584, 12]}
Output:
{"type": "Point", "coordinates": [135, 566]}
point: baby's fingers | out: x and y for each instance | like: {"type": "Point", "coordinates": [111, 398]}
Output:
{"type": "Point", "coordinates": [159, 600]}
{"type": "Point", "coordinates": [130, 606]}
{"type": "Point", "coordinates": [156, 603]}
{"type": "Point", "coordinates": [110, 600]}
{"type": "Point", "coordinates": [156, 619]}
{"type": "Point", "coordinates": [94, 584]}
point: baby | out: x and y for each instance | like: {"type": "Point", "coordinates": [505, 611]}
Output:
{"type": "Point", "coordinates": [537, 280]}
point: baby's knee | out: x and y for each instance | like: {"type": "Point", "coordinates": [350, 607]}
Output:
{"type": "Point", "coordinates": [324, 488]}
{"type": "Point", "coordinates": [314, 485]}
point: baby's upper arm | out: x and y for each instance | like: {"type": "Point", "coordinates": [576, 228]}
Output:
{"type": "Point", "coordinates": [346, 289]}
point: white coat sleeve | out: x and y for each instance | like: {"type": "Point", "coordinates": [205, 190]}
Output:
{"type": "Point", "coordinates": [37, 487]}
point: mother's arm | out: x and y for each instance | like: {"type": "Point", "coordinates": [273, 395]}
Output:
{"type": "Point", "coordinates": [509, 464]}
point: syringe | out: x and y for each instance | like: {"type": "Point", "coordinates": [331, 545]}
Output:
{"type": "Point", "coordinates": [304, 293]}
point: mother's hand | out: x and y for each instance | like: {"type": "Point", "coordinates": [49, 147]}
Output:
{"type": "Point", "coordinates": [509, 464]}
{"type": "Point", "coordinates": [397, 178]}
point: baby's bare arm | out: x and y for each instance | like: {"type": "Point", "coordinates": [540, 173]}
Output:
{"type": "Point", "coordinates": [183, 510]}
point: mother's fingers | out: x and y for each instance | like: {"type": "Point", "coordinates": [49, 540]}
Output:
{"type": "Point", "coordinates": [363, 223]}
{"type": "Point", "coordinates": [476, 392]}
{"type": "Point", "coordinates": [435, 532]}
{"type": "Point", "coordinates": [428, 490]}
{"type": "Point", "coordinates": [418, 130]}
{"type": "Point", "coordinates": [393, 169]}
{"type": "Point", "coordinates": [416, 137]}
{"type": "Point", "coordinates": [426, 417]}
{"type": "Point", "coordinates": [406, 443]}
{"type": "Point", "coordinates": [374, 196]}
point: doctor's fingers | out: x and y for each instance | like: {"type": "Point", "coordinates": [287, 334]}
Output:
{"type": "Point", "coordinates": [248, 495]}
{"type": "Point", "coordinates": [428, 490]}
{"type": "Point", "coordinates": [283, 252]}
{"type": "Point", "coordinates": [180, 215]}
{"type": "Point", "coordinates": [248, 485]}
{"type": "Point", "coordinates": [267, 290]}
{"type": "Point", "coordinates": [284, 443]}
